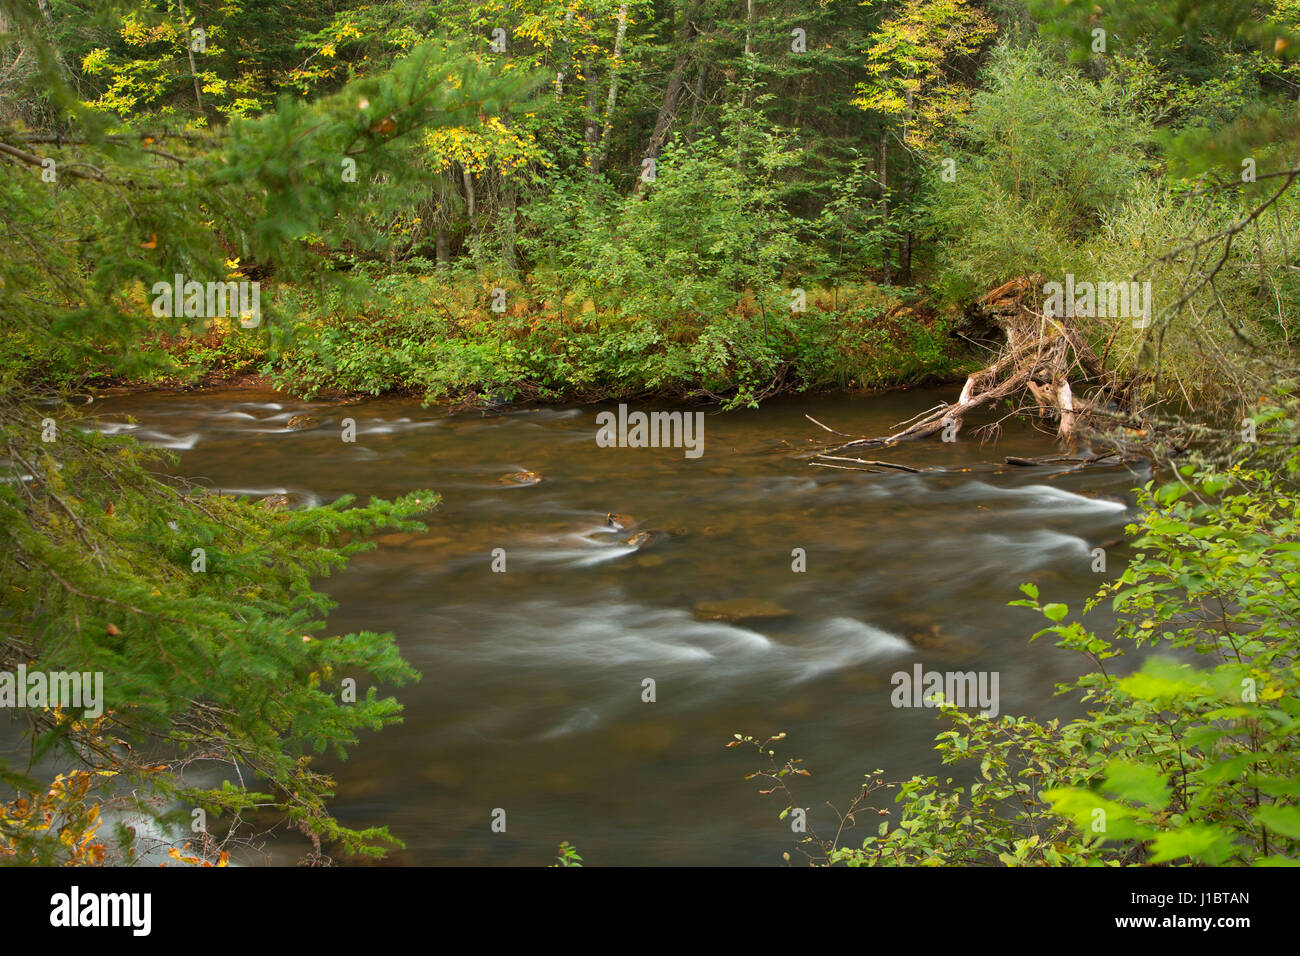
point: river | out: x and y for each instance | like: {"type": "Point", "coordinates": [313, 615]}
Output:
{"type": "Point", "coordinates": [532, 692]}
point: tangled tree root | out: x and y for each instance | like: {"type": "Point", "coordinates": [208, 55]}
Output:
{"type": "Point", "coordinates": [1047, 365]}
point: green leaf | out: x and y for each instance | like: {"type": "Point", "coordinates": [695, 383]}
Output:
{"type": "Point", "coordinates": [1283, 820]}
{"type": "Point", "coordinates": [1203, 843]}
{"type": "Point", "coordinates": [1162, 678]}
{"type": "Point", "coordinates": [1138, 783]}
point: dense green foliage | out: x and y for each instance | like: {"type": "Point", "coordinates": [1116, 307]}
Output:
{"type": "Point", "coordinates": [551, 349]}
{"type": "Point", "coordinates": [519, 199]}
{"type": "Point", "coordinates": [667, 175]}
{"type": "Point", "coordinates": [197, 607]}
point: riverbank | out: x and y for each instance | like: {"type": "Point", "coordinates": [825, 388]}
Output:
{"type": "Point", "coordinates": [441, 341]}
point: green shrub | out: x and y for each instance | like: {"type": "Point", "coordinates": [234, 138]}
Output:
{"type": "Point", "coordinates": [1173, 763]}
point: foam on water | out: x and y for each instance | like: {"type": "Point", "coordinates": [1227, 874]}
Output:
{"type": "Point", "coordinates": [1036, 543]}
{"type": "Point", "coordinates": [1041, 499]}
{"type": "Point", "coordinates": [843, 642]}
{"type": "Point", "coordinates": [563, 637]}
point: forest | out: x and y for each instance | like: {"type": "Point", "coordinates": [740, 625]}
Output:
{"type": "Point", "coordinates": [320, 323]}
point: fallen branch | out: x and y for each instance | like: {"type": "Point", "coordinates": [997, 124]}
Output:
{"type": "Point", "coordinates": [1058, 460]}
{"type": "Point", "coordinates": [827, 427]}
{"type": "Point", "coordinates": [878, 464]}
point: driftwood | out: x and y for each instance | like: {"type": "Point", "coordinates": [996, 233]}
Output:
{"type": "Point", "coordinates": [877, 464]}
{"type": "Point", "coordinates": [1046, 365]}
{"type": "Point", "coordinates": [827, 427]}
{"type": "Point", "coordinates": [1056, 460]}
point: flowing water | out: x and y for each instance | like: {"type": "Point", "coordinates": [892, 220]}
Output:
{"type": "Point", "coordinates": [532, 692]}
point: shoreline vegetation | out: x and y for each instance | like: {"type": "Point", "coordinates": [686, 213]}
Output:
{"type": "Point", "coordinates": [1087, 215]}
{"type": "Point", "coordinates": [475, 358]}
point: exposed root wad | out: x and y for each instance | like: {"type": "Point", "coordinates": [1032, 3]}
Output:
{"type": "Point", "coordinates": [1047, 367]}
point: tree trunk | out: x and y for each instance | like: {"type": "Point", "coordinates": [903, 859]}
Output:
{"type": "Point", "coordinates": [699, 92]}
{"type": "Point", "coordinates": [884, 198]}
{"type": "Point", "coordinates": [189, 49]}
{"type": "Point", "coordinates": [673, 91]}
{"type": "Point", "coordinates": [564, 66]}
{"type": "Point", "coordinates": [591, 133]}
{"type": "Point", "coordinates": [509, 203]}
{"type": "Point", "coordinates": [613, 83]}
{"type": "Point", "coordinates": [442, 247]}
{"type": "Point", "coordinates": [1065, 405]}
{"type": "Point", "coordinates": [467, 178]}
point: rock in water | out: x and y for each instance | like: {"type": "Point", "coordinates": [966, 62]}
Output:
{"type": "Point", "coordinates": [739, 609]}
{"type": "Point", "coordinates": [301, 422]}
{"type": "Point", "coordinates": [933, 640]}
{"type": "Point", "coordinates": [520, 478]}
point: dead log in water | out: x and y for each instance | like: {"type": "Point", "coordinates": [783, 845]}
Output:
{"type": "Point", "coordinates": [1047, 366]}
{"type": "Point", "coordinates": [1059, 460]}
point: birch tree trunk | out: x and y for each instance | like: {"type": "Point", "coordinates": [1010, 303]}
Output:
{"type": "Point", "coordinates": [884, 198]}
{"type": "Point", "coordinates": [612, 99]}
{"type": "Point", "coordinates": [189, 50]}
{"type": "Point", "coordinates": [564, 66]}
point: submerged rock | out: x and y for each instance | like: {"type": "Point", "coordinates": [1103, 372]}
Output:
{"type": "Point", "coordinates": [739, 609]}
{"type": "Point", "coordinates": [935, 640]}
{"type": "Point", "coordinates": [620, 522]}
{"type": "Point", "coordinates": [301, 423]}
{"type": "Point", "coordinates": [520, 478]}
{"type": "Point", "coordinates": [271, 502]}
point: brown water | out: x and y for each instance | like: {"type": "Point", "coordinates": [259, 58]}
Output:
{"type": "Point", "coordinates": [531, 699]}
